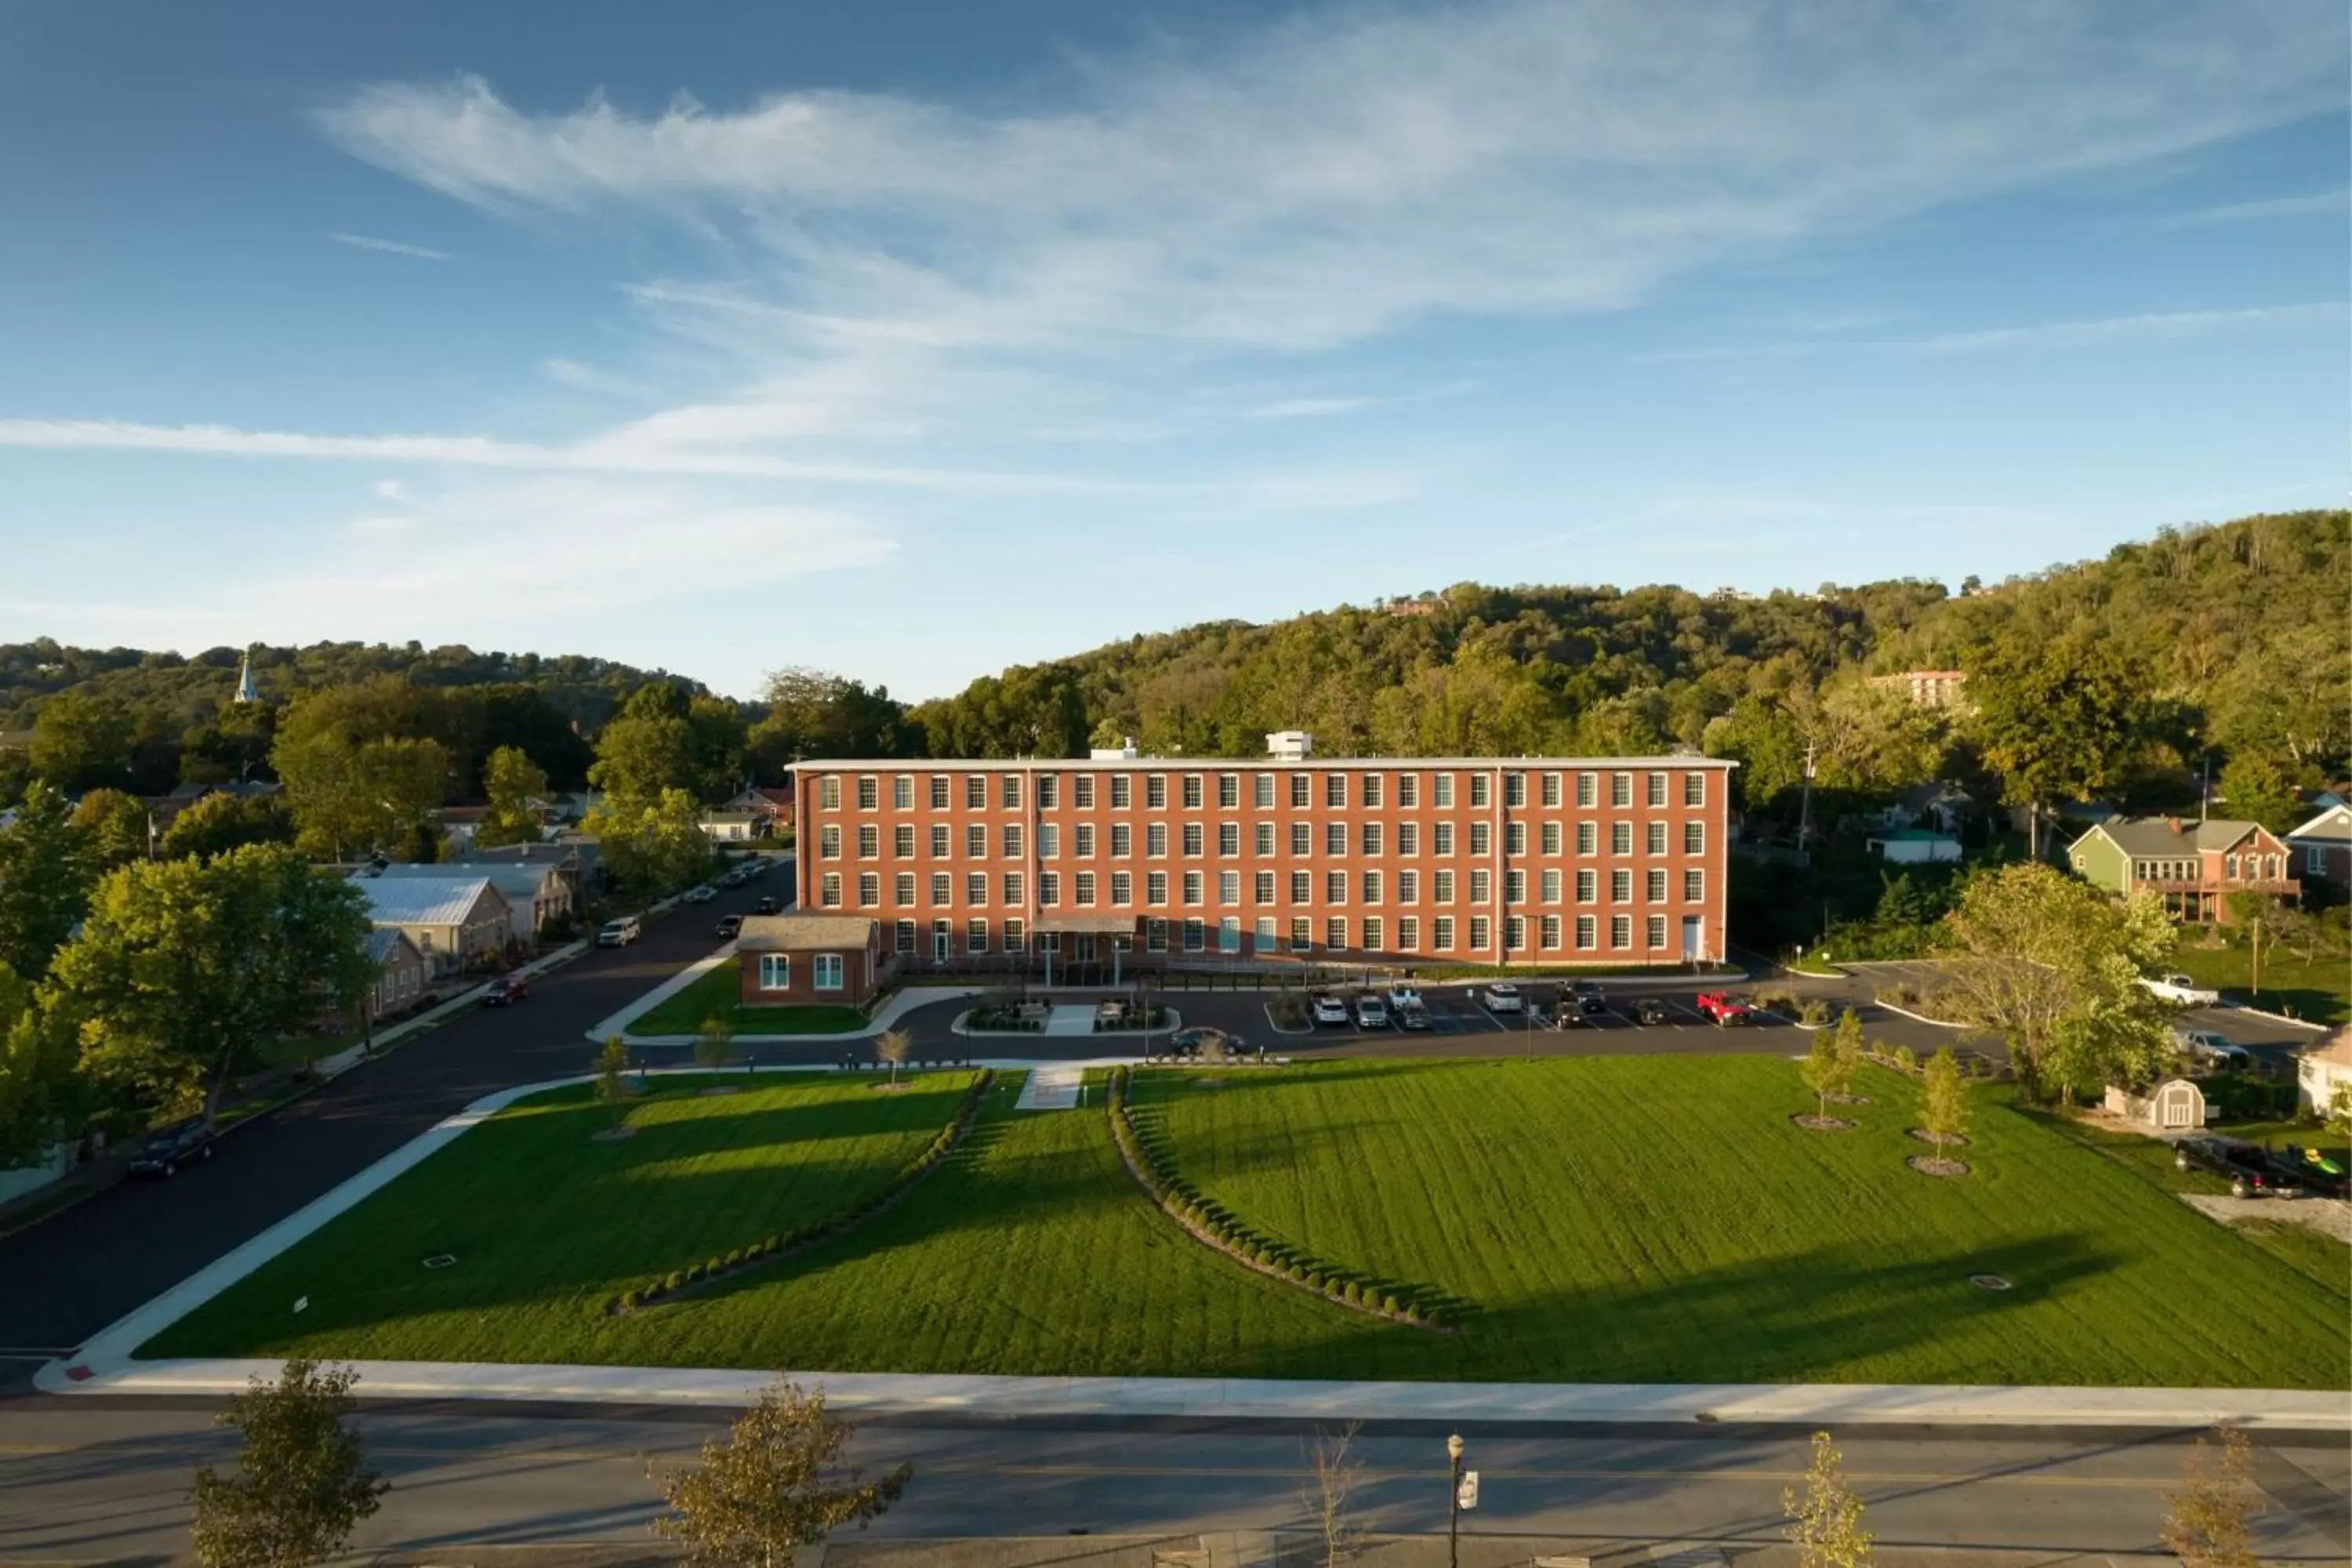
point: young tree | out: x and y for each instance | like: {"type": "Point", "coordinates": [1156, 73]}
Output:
{"type": "Point", "coordinates": [2205, 1520]}
{"type": "Point", "coordinates": [45, 881]}
{"type": "Point", "coordinates": [1943, 1099]}
{"type": "Point", "coordinates": [184, 967]}
{"type": "Point", "coordinates": [301, 1486]}
{"type": "Point", "coordinates": [219, 823]}
{"type": "Point", "coordinates": [714, 1043]}
{"type": "Point", "coordinates": [1847, 1043]}
{"type": "Point", "coordinates": [114, 825]}
{"type": "Point", "coordinates": [612, 1067]}
{"type": "Point", "coordinates": [513, 782]}
{"type": "Point", "coordinates": [1333, 1475]}
{"type": "Point", "coordinates": [1825, 1521]}
{"type": "Point", "coordinates": [760, 1493]}
{"type": "Point", "coordinates": [892, 1046]}
{"type": "Point", "coordinates": [1823, 1070]}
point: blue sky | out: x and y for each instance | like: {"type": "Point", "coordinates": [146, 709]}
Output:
{"type": "Point", "coordinates": [916, 340]}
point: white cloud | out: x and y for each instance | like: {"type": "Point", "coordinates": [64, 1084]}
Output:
{"type": "Point", "coordinates": [391, 246]}
{"type": "Point", "coordinates": [2163, 324]}
{"type": "Point", "coordinates": [2325, 204]}
{"type": "Point", "coordinates": [581, 377]}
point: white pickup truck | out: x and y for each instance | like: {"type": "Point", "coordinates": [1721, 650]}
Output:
{"type": "Point", "coordinates": [2181, 989]}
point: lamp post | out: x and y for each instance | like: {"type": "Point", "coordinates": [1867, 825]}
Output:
{"type": "Point", "coordinates": [1453, 1502]}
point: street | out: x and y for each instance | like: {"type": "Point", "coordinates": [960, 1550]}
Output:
{"type": "Point", "coordinates": [105, 1479]}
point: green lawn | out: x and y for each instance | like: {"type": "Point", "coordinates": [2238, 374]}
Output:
{"type": "Point", "coordinates": [1611, 1219]}
{"type": "Point", "coordinates": [719, 991]}
{"type": "Point", "coordinates": [2320, 991]}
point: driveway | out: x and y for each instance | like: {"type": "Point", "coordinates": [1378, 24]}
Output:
{"type": "Point", "coordinates": [78, 1271]}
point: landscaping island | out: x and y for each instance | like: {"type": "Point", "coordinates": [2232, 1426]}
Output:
{"type": "Point", "coordinates": [1594, 1219]}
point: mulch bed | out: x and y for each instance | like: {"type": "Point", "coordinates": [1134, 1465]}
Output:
{"type": "Point", "coordinates": [719, 1089]}
{"type": "Point", "coordinates": [1850, 1099]}
{"type": "Point", "coordinates": [1811, 1123]}
{"type": "Point", "coordinates": [1929, 1165]}
{"type": "Point", "coordinates": [612, 1135]}
{"type": "Point", "coordinates": [1951, 1139]}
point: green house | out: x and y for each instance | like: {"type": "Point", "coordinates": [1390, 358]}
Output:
{"type": "Point", "coordinates": [2193, 865]}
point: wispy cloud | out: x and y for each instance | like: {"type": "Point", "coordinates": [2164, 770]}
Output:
{"type": "Point", "coordinates": [391, 246]}
{"type": "Point", "coordinates": [2325, 204]}
{"type": "Point", "coordinates": [581, 377]}
{"type": "Point", "coordinates": [2150, 326]}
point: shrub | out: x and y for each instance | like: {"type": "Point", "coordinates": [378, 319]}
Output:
{"type": "Point", "coordinates": [735, 1259]}
{"type": "Point", "coordinates": [1413, 1312]}
{"type": "Point", "coordinates": [712, 1265]}
{"type": "Point", "coordinates": [672, 1280]}
{"type": "Point", "coordinates": [1353, 1293]}
{"type": "Point", "coordinates": [629, 1301]}
{"type": "Point", "coordinates": [693, 1273]}
{"type": "Point", "coordinates": [1389, 1305]}
{"type": "Point", "coordinates": [1815, 1011]}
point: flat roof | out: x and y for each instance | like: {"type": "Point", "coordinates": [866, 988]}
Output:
{"type": "Point", "coordinates": [1235, 764]}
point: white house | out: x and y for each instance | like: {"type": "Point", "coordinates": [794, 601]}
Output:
{"type": "Point", "coordinates": [731, 826]}
{"type": "Point", "coordinates": [453, 920]}
{"type": "Point", "coordinates": [2322, 1071]}
{"type": "Point", "coordinates": [534, 891]}
{"type": "Point", "coordinates": [1914, 846]}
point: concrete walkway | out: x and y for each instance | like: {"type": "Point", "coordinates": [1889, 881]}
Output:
{"type": "Point", "coordinates": [897, 1005]}
{"type": "Point", "coordinates": [1051, 1088]}
{"type": "Point", "coordinates": [1071, 1019]}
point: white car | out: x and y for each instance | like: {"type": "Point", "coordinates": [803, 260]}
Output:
{"type": "Point", "coordinates": [1330, 1010]}
{"type": "Point", "coordinates": [619, 932]}
{"type": "Point", "coordinates": [1403, 997]}
{"type": "Point", "coordinates": [701, 895]}
{"type": "Point", "coordinates": [2181, 989]}
{"type": "Point", "coordinates": [2210, 1046]}
{"type": "Point", "coordinates": [1371, 1012]}
{"type": "Point", "coordinates": [1503, 997]}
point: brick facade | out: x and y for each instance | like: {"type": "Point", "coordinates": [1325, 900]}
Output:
{"type": "Point", "coordinates": [1421, 859]}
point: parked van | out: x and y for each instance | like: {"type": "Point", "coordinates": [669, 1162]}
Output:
{"type": "Point", "coordinates": [620, 932]}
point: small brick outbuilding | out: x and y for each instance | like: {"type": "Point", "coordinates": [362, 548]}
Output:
{"type": "Point", "coordinates": [810, 958]}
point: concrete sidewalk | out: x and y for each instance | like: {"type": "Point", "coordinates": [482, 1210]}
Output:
{"type": "Point", "coordinates": [897, 1004]}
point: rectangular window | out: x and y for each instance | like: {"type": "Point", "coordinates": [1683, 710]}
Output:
{"type": "Point", "coordinates": [975, 841]}
{"type": "Point", "coordinates": [1479, 784]}
{"type": "Point", "coordinates": [903, 891]}
{"type": "Point", "coordinates": [1335, 838]}
{"type": "Point", "coordinates": [1620, 838]}
{"type": "Point", "coordinates": [1584, 928]}
{"type": "Point", "coordinates": [1621, 789]}
{"type": "Point", "coordinates": [1262, 791]}
{"type": "Point", "coordinates": [1585, 884]}
{"type": "Point", "coordinates": [1585, 838]}
{"type": "Point", "coordinates": [1302, 838]}
{"type": "Point", "coordinates": [1482, 885]}
{"type": "Point", "coordinates": [1586, 784]}
{"type": "Point", "coordinates": [1082, 790]}
{"type": "Point", "coordinates": [939, 791]}
{"type": "Point", "coordinates": [1082, 838]}
{"type": "Point", "coordinates": [1694, 837]}
{"type": "Point", "coordinates": [1407, 935]}
{"type": "Point", "coordinates": [1514, 793]}
{"type": "Point", "coordinates": [1442, 933]}
{"type": "Point", "coordinates": [1408, 791]}
{"type": "Point", "coordinates": [2315, 859]}
{"type": "Point", "coordinates": [1693, 886]}
{"type": "Point", "coordinates": [1550, 796]}
{"type": "Point", "coordinates": [1122, 888]}
{"type": "Point", "coordinates": [1302, 887]}
{"type": "Point", "coordinates": [1049, 834]}
{"type": "Point", "coordinates": [1441, 790]}
{"type": "Point", "coordinates": [1694, 788]}
{"type": "Point", "coordinates": [902, 792]}
{"type": "Point", "coordinates": [1514, 838]}
{"type": "Point", "coordinates": [775, 971]}
{"type": "Point", "coordinates": [1262, 934]}
{"type": "Point", "coordinates": [1229, 791]}
{"type": "Point", "coordinates": [1482, 837]}
{"type": "Point", "coordinates": [1515, 887]}
{"type": "Point", "coordinates": [902, 843]}
{"type": "Point", "coordinates": [1368, 790]}
{"type": "Point", "coordinates": [1548, 931]}
{"type": "Point", "coordinates": [1551, 884]}
{"type": "Point", "coordinates": [1016, 935]}
{"type": "Point", "coordinates": [1262, 840]}
{"type": "Point", "coordinates": [976, 936]}
{"type": "Point", "coordinates": [1335, 886]}
{"type": "Point", "coordinates": [1441, 887]}
{"type": "Point", "coordinates": [1012, 884]}
{"type": "Point", "coordinates": [1155, 935]}
{"type": "Point", "coordinates": [1049, 889]}
{"type": "Point", "coordinates": [1049, 791]}
{"type": "Point", "coordinates": [1620, 886]}
{"type": "Point", "coordinates": [1122, 795]}
{"type": "Point", "coordinates": [1369, 887]}
{"type": "Point", "coordinates": [1407, 887]}
{"type": "Point", "coordinates": [940, 889]}
{"type": "Point", "coordinates": [1372, 933]}
{"type": "Point", "coordinates": [1195, 887]}
{"type": "Point", "coordinates": [1370, 837]}
{"type": "Point", "coordinates": [975, 791]}
{"type": "Point", "coordinates": [1229, 840]}
{"type": "Point", "coordinates": [1441, 837]}
{"type": "Point", "coordinates": [1122, 841]}
{"type": "Point", "coordinates": [1481, 931]}
{"type": "Point", "coordinates": [870, 841]}
{"type": "Point", "coordinates": [869, 888]}
{"type": "Point", "coordinates": [828, 971]}
{"type": "Point", "coordinates": [1302, 936]}
{"type": "Point", "coordinates": [828, 793]}
{"type": "Point", "coordinates": [1335, 932]}
{"type": "Point", "coordinates": [1657, 789]}
{"type": "Point", "coordinates": [1194, 841]}
{"type": "Point", "coordinates": [828, 842]}
{"type": "Point", "coordinates": [1514, 934]}
{"type": "Point", "coordinates": [1658, 932]}
{"type": "Point", "coordinates": [975, 887]}
{"type": "Point", "coordinates": [1654, 838]}
{"type": "Point", "coordinates": [1551, 837]}
{"type": "Point", "coordinates": [939, 841]}
{"type": "Point", "coordinates": [1191, 792]}
{"type": "Point", "coordinates": [1195, 936]}
{"type": "Point", "coordinates": [829, 890]}
{"type": "Point", "coordinates": [1155, 886]}
{"type": "Point", "coordinates": [1262, 887]}
{"type": "Point", "coordinates": [1155, 840]}
{"type": "Point", "coordinates": [1653, 888]}
{"type": "Point", "coordinates": [1621, 932]}
{"type": "Point", "coordinates": [1408, 838]}
{"type": "Point", "coordinates": [902, 938]}
{"type": "Point", "coordinates": [1155, 792]}
{"type": "Point", "coordinates": [1335, 791]}
{"type": "Point", "coordinates": [1302, 788]}
{"type": "Point", "coordinates": [1012, 791]}
{"type": "Point", "coordinates": [1083, 887]}
{"type": "Point", "coordinates": [1229, 888]}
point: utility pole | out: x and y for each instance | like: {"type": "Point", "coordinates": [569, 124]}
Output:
{"type": "Point", "coordinates": [1805, 809]}
{"type": "Point", "coordinates": [2205, 789]}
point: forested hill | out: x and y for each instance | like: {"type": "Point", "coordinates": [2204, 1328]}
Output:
{"type": "Point", "coordinates": [2234, 635]}
{"type": "Point", "coordinates": [192, 689]}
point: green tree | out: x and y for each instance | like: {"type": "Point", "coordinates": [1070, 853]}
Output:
{"type": "Point", "coordinates": [654, 847]}
{"type": "Point", "coordinates": [815, 713]}
{"type": "Point", "coordinates": [221, 822]}
{"type": "Point", "coordinates": [893, 1045]}
{"type": "Point", "coordinates": [348, 797]}
{"type": "Point", "coordinates": [2053, 965]}
{"type": "Point", "coordinates": [231, 747]}
{"type": "Point", "coordinates": [301, 1484]}
{"type": "Point", "coordinates": [514, 784]}
{"type": "Point", "coordinates": [1825, 1519]}
{"type": "Point", "coordinates": [647, 748]}
{"type": "Point", "coordinates": [44, 879]}
{"type": "Point", "coordinates": [612, 1065]}
{"type": "Point", "coordinates": [2337, 1121]}
{"type": "Point", "coordinates": [2254, 788]}
{"type": "Point", "coordinates": [2205, 1520]}
{"type": "Point", "coordinates": [40, 1091]}
{"type": "Point", "coordinates": [765, 1489]}
{"type": "Point", "coordinates": [82, 741]}
{"type": "Point", "coordinates": [1824, 1074]}
{"type": "Point", "coordinates": [184, 968]}
{"type": "Point", "coordinates": [1943, 1099]}
{"type": "Point", "coordinates": [2055, 720]}
{"type": "Point", "coordinates": [714, 1043]}
{"type": "Point", "coordinates": [114, 825]}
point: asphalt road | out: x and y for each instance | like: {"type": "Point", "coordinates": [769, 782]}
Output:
{"type": "Point", "coordinates": [68, 1277]}
{"type": "Point", "coordinates": [106, 1481]}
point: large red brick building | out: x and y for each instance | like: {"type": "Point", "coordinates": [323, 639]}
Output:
{"type": "Point", "coordinates": [1516, 861]}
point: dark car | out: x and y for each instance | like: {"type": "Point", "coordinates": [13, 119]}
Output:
{"type": "Point", "coordinates": [729, 926]}
{"type": "Point", "coordinates": [505, 990]}
{"type": "Point", "coordinates": [1585, 988]}
{"type": "Point", "coordinates": [1412, 1016]}
{"type": "Point", "coordinates": [173, 1147]}
{"type": "Point", "coordinates": [1650, 1011]}
{"type": "Point", "coordinates": [767, 907]}
{"type": "Point", "coordinates": [2250, 1170]}
{"type": "Point", "coordinates": [1574, 1012]}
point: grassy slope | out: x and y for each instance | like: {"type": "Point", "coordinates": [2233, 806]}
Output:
{"type": "Point", "coordinates": [2320, 991]}
{"type": "Point", "coordinates": [719, 991]}
{"type": "Point", "coordinates": [1604, 1239]}
{"type": "Point", "coordinates": [1662, 1220]}
{"type": "Point", "coordinates": [547, 1224]}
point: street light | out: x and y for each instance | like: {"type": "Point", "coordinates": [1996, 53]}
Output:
{"type": "Point", "coordinates": [1453, 1502]}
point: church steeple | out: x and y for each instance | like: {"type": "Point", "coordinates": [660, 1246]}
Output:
{"type": "Point", "coordinates": [246, 690]}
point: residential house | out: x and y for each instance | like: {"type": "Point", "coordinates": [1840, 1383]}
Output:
{"type": "Point", "coordinates": [812, 958]}
{"type": "Point", "coordinates": [770, 805]}
{"type": "Point", "coordinates": [566, 867]}
{"type": "Point", "coordinates": [2195, 865]}
{"type": "Point", "coordinates": [401, 974]}
{"type": "Point", "coordinates": [729, 827]}
{"type": "Point", "coordinates": [1914, 846]}
{"type": "Point", "coordinates": [536, 897]}
{"type": "Point", "coordinates": [457, 922]}
{"type": "Point", "coordinates": [1927, 688]}
{"type": "Point", "coordinates": [459, 824]}
{"type": "Point", "coordinates": [2322, 1071]}
{"type": "Point", "coordinates": [2323, 848]}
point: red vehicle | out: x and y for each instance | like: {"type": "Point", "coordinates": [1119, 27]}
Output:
{"type": "Point", "coordinates": [505, 990]}
{"type": "Point", "coordinates": [1721, 1008]}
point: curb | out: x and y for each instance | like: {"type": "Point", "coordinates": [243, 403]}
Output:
{"type": "Point", "coordinates": [1916, 1017]}
{"type": "Point", "coordinates": [2276, 1017]}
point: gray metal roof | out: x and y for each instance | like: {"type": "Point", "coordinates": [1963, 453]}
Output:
{"type": "Point", "coordinates": [424, 901]}
{"type": "Point", "coordinates": [2143, 836]}
{"type": "Point", "coordinates": [521, 881]}
{"type": "Point", "coordinates": [383, 942]}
